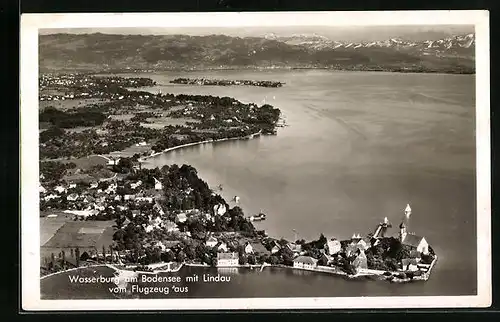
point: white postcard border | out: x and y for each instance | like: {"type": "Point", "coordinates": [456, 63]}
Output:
{"type": "Point", "coordinates": [30, 233]}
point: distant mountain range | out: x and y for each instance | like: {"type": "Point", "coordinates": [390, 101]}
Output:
{"type": "Point", "coordinates": [107, 52]}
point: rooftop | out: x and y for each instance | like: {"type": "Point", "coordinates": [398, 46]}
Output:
{"type": "Point", "coordinates": [306, 260]}
{"type": "Point", "coordinates": [227, 256]}
{"type": "Point", "coordinates": [412, 240]}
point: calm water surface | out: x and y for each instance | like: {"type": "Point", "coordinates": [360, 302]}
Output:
{"type": "Point", "coordinates": [360, 146]}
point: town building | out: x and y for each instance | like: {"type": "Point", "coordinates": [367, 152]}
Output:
{"type": "Point", "coordinates": [222, 247]}
{"type": "Point", "coordinates": [227, 259]}
{"type": "Point", "coordinates": [211, 242]}
{"type": "Point", "coordinates": [258, 248]}
{"type": "Point", "coordinates": [409, 264]}
{"type": "Point", "coordinates": [360, 262]}
{"type": "Point", "coordinates": [158, 184]}
{"type": "Point", "coordinates": [72, 197]}
{"type": "Point", "coordinates": [181, 217]}
{"type": "Point", "coordinates": [305, 262]}
{"type": "Point", "coordinates": [136, 185]}
{"type": "Point", "coordinates": [170, 226]}
{"type": "Point", "coordinates": [295, 248]}
{"type": "Point", "coordinates": [381, 229]}
{"type": "Point", "coordinates": [220, 209]}
{"type": "Point", "coordinates": [414, 242]}
{"type": "Point", "coordinates": [60, 189]}
{"type": "Point", "coordinates": [333, 246]}
{"type": "Point", "coordinates": [128, 197]}
{"type": "Point", "coordinates": [248, 248]}
{"type": "Point", "coordinates": [275, 249]}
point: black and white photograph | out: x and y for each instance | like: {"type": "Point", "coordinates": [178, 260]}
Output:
{"type": "Point", "coordinates": [255, 160]}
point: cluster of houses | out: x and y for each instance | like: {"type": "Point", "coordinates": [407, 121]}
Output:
{"type": "Point", "coordinates": [96, 87]}
{"type": "Point", "coordinates": [357, 246]}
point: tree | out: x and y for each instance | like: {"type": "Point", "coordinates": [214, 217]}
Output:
{"type": "Point", "coordinates": [251, 259]}
{"type": "Point", "coordinates": [321, 241]}
{"type": "Point", "coordinates": [103, 254]}
{"type": "Point", "coordinates": [322, 261]}
{"type": "Point", "coordinates": [120, 220]}
{"type": "Point", "coordinates": [273, 260]}
{"type": "Point", "coordinates": [243, 260]}
{"type": "Point", "coordinates": [181, 257]}
{"type": "Point", "coordinates": [77, 256]}
{"type": "Point", "coordinates": [391, 264]}
{"type": "Point", "coordinates": [85, 256]}
{"type": "Point", "coordinates": [111, 253]}
{"type": "Point", "coordinates": [63, 258]}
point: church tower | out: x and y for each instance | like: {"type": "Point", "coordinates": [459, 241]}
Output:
{"type": "Point", "coordinates": [402, 232]}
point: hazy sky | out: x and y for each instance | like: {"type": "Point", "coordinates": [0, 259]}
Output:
{"type": "Point", "coordinates": [358, 33]}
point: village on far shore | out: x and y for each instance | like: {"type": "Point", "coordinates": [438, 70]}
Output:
{"type": "Point", "coordinates": [98, 205]}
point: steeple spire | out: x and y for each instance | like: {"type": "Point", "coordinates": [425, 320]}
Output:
{"type": "Point", "coordinates": [408, 211]}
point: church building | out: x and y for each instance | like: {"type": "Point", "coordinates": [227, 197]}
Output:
{"type": "Point", "coordinates": [415, 242]}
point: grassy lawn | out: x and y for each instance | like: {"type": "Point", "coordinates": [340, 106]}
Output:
{"type": "Point", "coordinates": [86, 163]}
{"type": "Point", "coordinates": [82, 234]}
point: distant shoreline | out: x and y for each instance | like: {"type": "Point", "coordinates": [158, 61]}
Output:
{"type": "Point", "coordinates": [127, 71]}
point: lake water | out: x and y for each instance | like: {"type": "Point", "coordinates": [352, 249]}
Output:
{"type": "Point", "coordinates": [358, 148]}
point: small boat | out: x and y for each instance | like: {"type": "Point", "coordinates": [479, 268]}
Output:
{"type": "Point", "coordinates": [220, 187]}
{"type": "Point", "coordinates": [261, 216]}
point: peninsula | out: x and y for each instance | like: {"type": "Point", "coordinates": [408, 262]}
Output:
{"type": "Point", "coordinates": [99, 206]}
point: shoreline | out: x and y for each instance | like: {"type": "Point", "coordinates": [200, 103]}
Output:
{"type": "Point", "coordinates": [247, 137]}
{"type": "Point", "coordinates": [124, 272]}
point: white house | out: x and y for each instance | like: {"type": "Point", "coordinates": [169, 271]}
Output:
{"type": "Point", "coordinates": [136, 185]}
{"type": "Point", "coordinates": [275, 249]}
{"type": "Point", "coordinates": [333, 246]}
{"type": "Point", "coordinates": [42, 189]}
{"type": "Point", "coordinates": [129, 197]}
{"type": "Point", "coordinates": [295, 248]}
{"type": "Point", "coordinates": [72, 197]}
{"type": "Point", "coordinates": [181, 217]}
{"type": "Point", "coordinates": [248, 248]}
{"type": "Point", "coordinates": [220, 209]}
{"type": "Point", "coordinates": [227, 259]}
{"type": "Point", "coordinates": [360, 262]}
{"type": "Point", "coordinates": [60, 189]}
{"type": "Point", "coordinates": [170, 226]}
{"type": "Point", "coordinates": [158, 185]}
{"type": "Point", "coordinates": [211, 242]}
{"type": "Point", "coordinates": [113, 162]}
{"type": "Point", "coordinates": [94, 185]}
{"type": "Point", "coordinates": [148, 199]}
{"type": "Point", "coordinates": [222, 247]}
{"type": "Point", "coordinates": [51, 196]}
{"type": "Point", "coordinates": [305, 262]}
{"type": "Point", "coordinates": [72, 185]}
